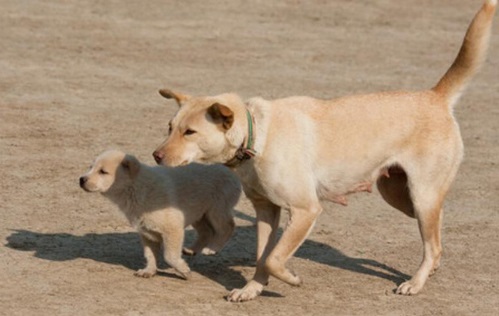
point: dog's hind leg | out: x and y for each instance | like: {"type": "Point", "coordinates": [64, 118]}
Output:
{"type": "Point", "coordinates": [429, 218]}
{"type": "Point", "coordinates": [428, 188]}
{"type": "Point", "coordinates": [267, 216]}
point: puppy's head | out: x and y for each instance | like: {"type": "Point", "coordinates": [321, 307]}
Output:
{"type": "Point", "coordinates": [204, 129]}
{"type": "Point", "coordinates": [111, 170]}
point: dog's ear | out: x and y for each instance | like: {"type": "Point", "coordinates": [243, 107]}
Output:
{"type": "Point", "coordinates": [131, 165]}
{"type": "Point", "coordinates": [179, 97]}
{"type": "Point", "coordinates": [222, 115]}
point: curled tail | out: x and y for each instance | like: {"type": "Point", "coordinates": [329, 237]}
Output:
{"type": "Point", "coordinates": [471, 56]}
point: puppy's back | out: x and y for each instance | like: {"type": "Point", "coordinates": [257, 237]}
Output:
{"type": "Point", "coordinates": [200, 187]}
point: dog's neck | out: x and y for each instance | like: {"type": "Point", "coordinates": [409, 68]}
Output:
{"type": "Point", "coordinates": [246, 151]}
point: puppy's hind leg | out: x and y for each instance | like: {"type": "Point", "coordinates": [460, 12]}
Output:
{"type": "Point", "coordinates": [223, 225]}
{"type": "Point", "coordinates": [205, 235]}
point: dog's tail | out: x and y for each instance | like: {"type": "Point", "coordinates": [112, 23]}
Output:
{"type": "Point", "coordinates": [471, 56]}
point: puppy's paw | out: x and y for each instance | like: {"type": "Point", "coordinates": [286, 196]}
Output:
{"type": "Point", "coordinates": [188, 252]}
{"type": "Point", "coordinates": [409, 288]}
{"type": "Point", "coordinates": [145, 273]}
{"type": "Point", "coordinates": [208, 252]}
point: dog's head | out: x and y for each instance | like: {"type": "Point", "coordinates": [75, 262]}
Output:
{"type": "Point", "coordinates": [111, 170]}
{"type": "Point", "coordinates": [204, 130]}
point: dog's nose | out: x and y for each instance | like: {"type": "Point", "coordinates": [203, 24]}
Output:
{"type": "Point", "coordinates": [82, 181]}
{"type": "Point", "coordinates": [158, 156]}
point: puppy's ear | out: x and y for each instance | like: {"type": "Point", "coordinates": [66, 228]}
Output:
{"type": "Point", "coordinates": [221, 115]}
{"type": "Point", "coordinates": [131, 165]}
{"type": "Point", "coordinates": [179, 97]}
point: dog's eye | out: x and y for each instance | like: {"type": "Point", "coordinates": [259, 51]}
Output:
{"type": "Point", "coordinates": [170, 128]}
{"type": "Point", "coordinates": [102, 171]}
{"type": "Point", "coordinates": [189, 132]}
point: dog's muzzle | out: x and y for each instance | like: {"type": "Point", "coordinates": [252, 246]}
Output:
{"type": "Point", "coordinates": [158, 157]}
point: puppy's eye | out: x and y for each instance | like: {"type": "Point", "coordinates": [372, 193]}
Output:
{"type": "Point", "coordinates": [102, 171]}
{"type": "Point", "coordinates": [189, 132]}
{"type": "Point", "coordinates": [170, 128]}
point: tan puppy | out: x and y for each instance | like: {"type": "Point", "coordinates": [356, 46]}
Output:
{"type": "Point", "coordinates": [291, 153]}
{"type": "Point", "coordinates": [160, 202]}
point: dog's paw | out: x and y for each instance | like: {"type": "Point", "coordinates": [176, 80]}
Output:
{"type": "Point", "coordinates": [293, 279]}
{"type": "Point", "coordinates": [409, 288]}
{"type": "Point", "coordinates": [247, 293]}
{"type": "Point", "coordinates": [186, 275]}
{"type": "Point", "coordinates": [145, 273]}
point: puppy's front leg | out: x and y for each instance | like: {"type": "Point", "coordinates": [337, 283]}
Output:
{"type": "Point", "coordinates": [173, 241]}
{"type": "Point", "coordinates": [151, 251]}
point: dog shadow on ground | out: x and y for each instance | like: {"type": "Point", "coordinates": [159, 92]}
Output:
{"type": "Point", "coordinates": [327, 255]}
{"type": "Point", "coordinates": [125, 249]}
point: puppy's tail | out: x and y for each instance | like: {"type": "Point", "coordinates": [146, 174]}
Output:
{"type": "Point", "coordinates": [471, 56]}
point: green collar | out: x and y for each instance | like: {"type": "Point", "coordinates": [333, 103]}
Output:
{"type": "Point", "coordinates": [244, 152]}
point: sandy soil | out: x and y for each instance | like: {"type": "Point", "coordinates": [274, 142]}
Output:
{"type": "Point", "coordinates": [78, 77]}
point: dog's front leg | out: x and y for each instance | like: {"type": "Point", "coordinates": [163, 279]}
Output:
{"type": "Point", "coordinates": [300, 224]}
{"type": "Point", "coordinates": [267, 216]}
{"type": "Point", "coordinates": [151, 251]}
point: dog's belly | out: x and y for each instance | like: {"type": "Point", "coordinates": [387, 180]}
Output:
{"type": "Point", "coordinates": [336, 190]}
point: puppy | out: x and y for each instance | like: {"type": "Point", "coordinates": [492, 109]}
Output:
{"type": "Point", "coordinates": [293, 152]}
{"type": "Point", "coordinates": [160, 202]}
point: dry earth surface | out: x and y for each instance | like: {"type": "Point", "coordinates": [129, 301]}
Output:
{"type": "Point", "coordinates": [78, 77]}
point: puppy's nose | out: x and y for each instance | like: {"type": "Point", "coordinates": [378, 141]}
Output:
{"type": "Point", "coordinates": [82, 181]}
{"type": "Point", "coordinates": [158, 156]}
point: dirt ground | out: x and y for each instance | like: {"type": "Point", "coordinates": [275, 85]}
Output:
{"type": "Point", "coordinates": [79, 77]}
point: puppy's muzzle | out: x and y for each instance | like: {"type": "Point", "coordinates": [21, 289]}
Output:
{"type": "Point", "coordinates": [83, 180]}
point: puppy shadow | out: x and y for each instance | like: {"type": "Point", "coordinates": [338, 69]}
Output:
{"type": "Point", "coordinates": [122, 249]}
{"type": "Point", "coordinates": [112, 248]}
